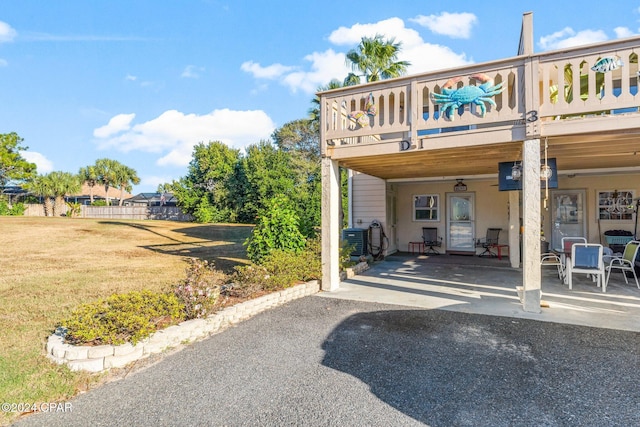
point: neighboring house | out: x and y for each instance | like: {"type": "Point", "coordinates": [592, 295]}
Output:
{"type": "Point", "coordinates": [424, 158]}
{"type": "Point", "coordinates": [84, 196]}
{"type": "Point", "coordinates": [151, 199]}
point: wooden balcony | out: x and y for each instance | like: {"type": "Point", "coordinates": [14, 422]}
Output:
{"type": "Point", "coordinates": [589, 119]}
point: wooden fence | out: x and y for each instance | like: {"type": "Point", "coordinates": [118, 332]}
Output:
{"type": "Point", "coordinates": [171, 213]}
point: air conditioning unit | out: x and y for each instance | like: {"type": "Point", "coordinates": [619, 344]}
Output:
{"type": "Point", "coordinates": [358, 237]}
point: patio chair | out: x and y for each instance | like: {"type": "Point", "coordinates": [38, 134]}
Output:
{"type": "Point", "coordinates": [567, 243]}
{"type": "Point", "coordinates": [489, 242]}
{"type": "Point", "coordinates": [431, 240]}
{"type": "Point", "coordinates": [625, 263]}
{"type": "Point", "coordinates": [550, 258]}
{"type": "Point", "coordinates": [586, 258]}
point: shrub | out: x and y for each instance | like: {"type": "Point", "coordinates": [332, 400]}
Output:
{"type": "Point", "coordinates": [73, 209]}
{"type": "Point", "coordinates": [277, 228]}
{"type": "Point", "coordinates": [122, 318]}
{"type": "Point", "coordinates": [288, 268]}
{"type": "Point", "coordinates": [247, 281]}
{"type": "Point", "coordinates": [200, 290]}
{"type": "Point", "coordinates": [16, 209]}
{"type": "Point", "coordinates": [345, 254]}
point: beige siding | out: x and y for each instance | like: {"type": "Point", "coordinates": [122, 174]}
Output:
{"type": "Point", "coordinates": [368, 202]}
{"type": "Point", "coordinates": [492, 206]}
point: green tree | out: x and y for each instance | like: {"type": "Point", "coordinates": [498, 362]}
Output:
{"type": "Point", "coordinates": [300, 139]}
{"type": "Point", "coordinates": [13, 167]}
{"type": "Point", "coordinates": [126, 177]}
{"type": "Point", "coordinates": [62, 184]}
{"type": "Point", "coordinates": [267, 172]}
{"type": "Point", "coordinates": [42, 186]}
{"type": "Point", "coordinates": [106, 171]}
{"type": "Point", "coordinates": [204, 192]}
{"type": "Point", "coordinates": [314, 111]}
{"type": "Point", "coordinates": [276, 228]}
{"type": "Point", "coordinates": [89, 176]}
{"type": "Point", "coordinates": [375, 59]}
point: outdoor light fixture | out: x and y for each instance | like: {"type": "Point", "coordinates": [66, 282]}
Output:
{"type": "Point", "coordinates": [460, 186]}
{"type": "Point", "coordinates": [516, 171]}
{"type": "Point", "coordinates": [545, 172]}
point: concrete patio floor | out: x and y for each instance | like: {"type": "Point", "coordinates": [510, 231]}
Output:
{"type": "Point", "coordinates": [488, 286]}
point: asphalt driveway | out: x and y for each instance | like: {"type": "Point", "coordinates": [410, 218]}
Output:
{"type": "Point", "coordinates": [330, 362]}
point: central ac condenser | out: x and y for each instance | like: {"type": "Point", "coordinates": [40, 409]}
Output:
{"type": "Point", "coordinates": [357, 237]}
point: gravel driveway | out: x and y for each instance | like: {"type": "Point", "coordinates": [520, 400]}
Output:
{"type": "Point", "coordinates": [328, 362]}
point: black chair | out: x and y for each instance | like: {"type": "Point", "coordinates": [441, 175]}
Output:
{"type": "Point", "coordinates": [490, 241]}
{"type": "Point", "coordinates": [431, 239]}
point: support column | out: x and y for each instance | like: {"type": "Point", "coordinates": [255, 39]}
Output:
{"type": "Point", "coordinates": [531, 269]}
{"type": "Point", "coordinates": [514, 228]}
{"type": "Point", "coordinates": [330, 225]}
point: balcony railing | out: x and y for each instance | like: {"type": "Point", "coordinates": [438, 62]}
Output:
{"type": "Point", "coordinates": [548, 86]}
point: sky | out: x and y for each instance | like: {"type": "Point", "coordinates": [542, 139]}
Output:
{"type": "Point", "coordinates": [143, 81]}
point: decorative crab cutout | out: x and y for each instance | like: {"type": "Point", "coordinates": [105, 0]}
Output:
{"type": "Point", "coordinates": [362, 117]}
{"type": "Point", "coordinates": [452, 99]}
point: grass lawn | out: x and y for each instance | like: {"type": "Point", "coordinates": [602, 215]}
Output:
{"type": "Point", "coordinates": [49, 266]}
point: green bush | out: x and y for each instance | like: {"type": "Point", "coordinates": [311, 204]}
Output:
{"type": "Point", "coordinates": [287, 268]}
{"type": "Point", "coordinates": [122, 318]}
{"type": "Point", "coordinates": [200, 290]}
{"type": "Point", "coordinates": [247, 281]}
{"type": "Point", "coordinates": [277, 270]}
{"type": "Point", "coordinates": [276, 228]}
{"type": "Point", "coordinates": [16, 209]}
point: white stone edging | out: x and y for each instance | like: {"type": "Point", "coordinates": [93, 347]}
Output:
{"type": "Point", "coordinates": [103, 357]}
{"type": "Point", "coordinates": [349, 272]}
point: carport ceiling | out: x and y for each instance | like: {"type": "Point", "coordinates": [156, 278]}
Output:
{"type": "Point", "coordinates": [578, 152]}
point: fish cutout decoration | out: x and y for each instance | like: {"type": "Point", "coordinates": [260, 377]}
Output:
{"type": "Point", "coordinates": [362, 117]}
{"type": "Point", "coordinates": [608, 63]}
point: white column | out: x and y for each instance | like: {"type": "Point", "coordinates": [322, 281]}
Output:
{"type": "Point", "coordinates": [531, 269]}
{"type": "Point", "coordinates": [330, 225]}
{"type": "Point", "coordinates": [514, 228]}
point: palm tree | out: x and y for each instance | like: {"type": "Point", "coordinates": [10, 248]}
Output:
{"type": "Point", "coordinates": [89, 176]}
{"type": "Point", "coordinates": [314, 111]}
{"type": "Point", "coordinates": [41, 186]}
{"type": "Point", "coordinates": [106, 171]}
{"type": "Point", "coordinates": [125, 177]}
{"type": "Point", "coordinates": [376, 59]}
{"type": "Point", "coordinates": [63, 184]}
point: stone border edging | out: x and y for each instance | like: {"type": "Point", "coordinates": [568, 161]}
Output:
{"type": "Point", "coordinates": [103, 357]}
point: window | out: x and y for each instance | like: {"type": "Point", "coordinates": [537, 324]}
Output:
{"type": "Point", "coordinates": [426, 207]}
{"type": "Point", "coordinates": [615, 205]}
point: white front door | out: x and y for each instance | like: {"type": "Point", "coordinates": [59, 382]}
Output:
{"type": "Point", "coordinates": [461, 222]}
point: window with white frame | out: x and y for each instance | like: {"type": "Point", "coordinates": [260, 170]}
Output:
{"type": "Point", "coordinates": [426, 207]}
{"type": "Point", "coordinates": [615, 205]}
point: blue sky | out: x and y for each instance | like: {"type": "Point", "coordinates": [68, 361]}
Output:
{"type": "Point", "coordinates": [143, 81]}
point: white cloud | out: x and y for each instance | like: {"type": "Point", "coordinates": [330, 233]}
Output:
{"type": "Point", "coordinates": [7, 33]}
{"type": "Point", "coordinates": [43, 164]}
{"type": "Point", "coordinates": [622, 32]}
{"type": "Point", "coordinates": [152, 181]}
{"type": "Point", "coordinates": [325, 66]}
{"type": "Point", "coordinates": [130, 78]}
{"type": "Point", "coordinates": [455, 25]}
{"type": "Point", "coordinates": [567, 37]}
{"type": "Point", "coordinates": [192, 72]}
{"type": "Point", "coordinates": [173, 134]}
{"type": "Point", "coordinates": [270, 72]}
{"type": "Point", "coordinates": [328, 65]}
{"type": "Point", "coordinates": [3, 62]}
{"type": "Point", "coordinates": [118, 123]}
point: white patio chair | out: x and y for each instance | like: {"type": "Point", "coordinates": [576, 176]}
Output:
{"type": "Point", "coordinates": [625, 263]}
{"type": "Point", "coordinates": [586, 258]}
{"type": "Point", "coordinates": [550, 258]}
